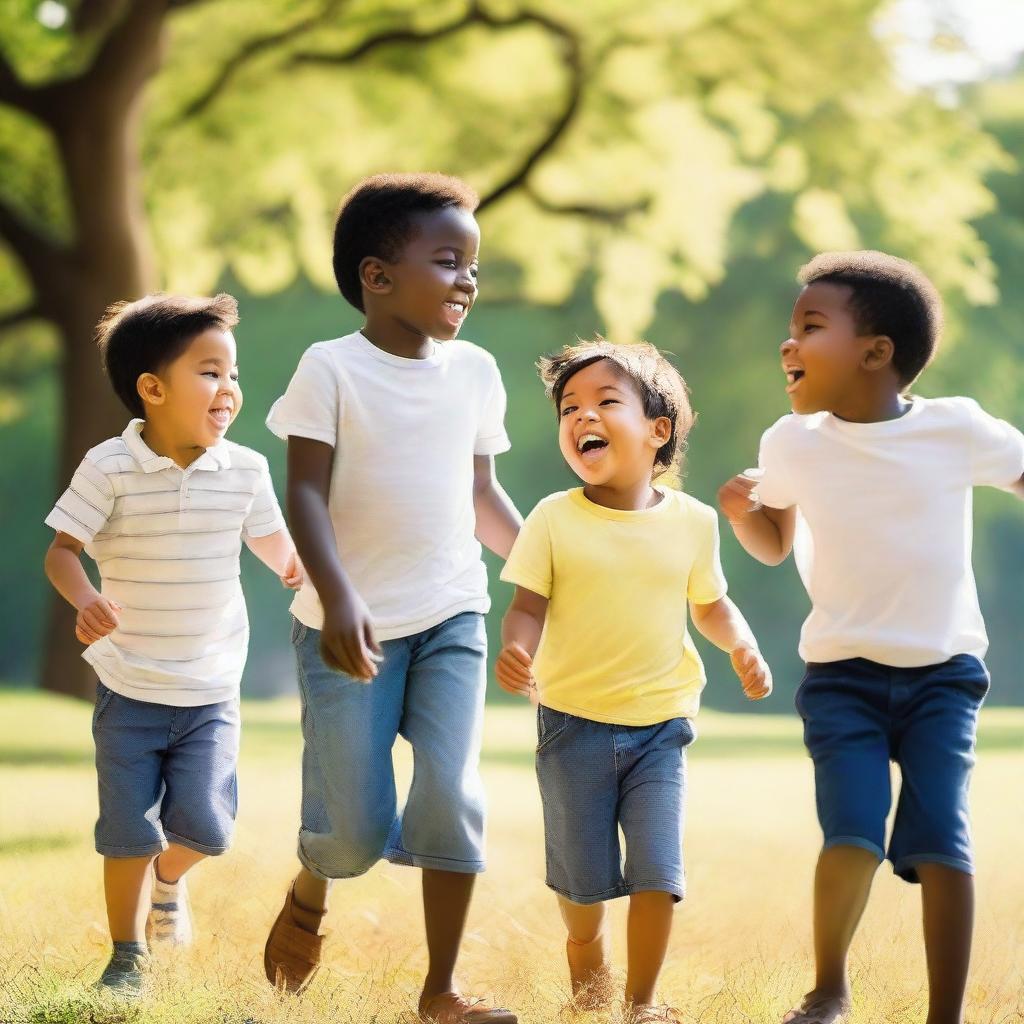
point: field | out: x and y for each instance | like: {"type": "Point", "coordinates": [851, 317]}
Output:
{"type": "Point", "coordinates": [740, 951]}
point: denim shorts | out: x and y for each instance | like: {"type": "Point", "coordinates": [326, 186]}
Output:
{"type": "Point", "coordinates": [596, 778]}
{"type": "Point", "coordinates": [166, 775]}
{"type": "Point", "coordinates": [858, 716]}
{"type": "Point", "coordinates": [429, 688]}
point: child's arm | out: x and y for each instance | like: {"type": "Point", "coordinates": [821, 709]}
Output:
{"type": "Point", "coordinates": [723, 624]}
{"type": "Point", "coordinates": [97, 615]}
{"type": "Point", "coordinates": [766, 533]}
{"type": "Point", "coordinates": [497, 520]}
{"type": "Point", "coordinates": [277, 552]}
{"type": "Point", "coordinates": [520, 635]}
{"type": "Point", "coordinates": [347, 642]}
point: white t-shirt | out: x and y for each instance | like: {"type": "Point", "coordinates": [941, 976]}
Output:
{"type": "Point", "coordinates": [404, 433]}
{"type": "Point", "coordinates": [166, 541]}
{"type": "Point", "coordinates": [883, 540]}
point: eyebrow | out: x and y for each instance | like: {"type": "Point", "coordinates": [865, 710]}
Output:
{"type": "Point", "coordinates": [815, 312]}
{"type": "Point", "coordinates": [603, 387]}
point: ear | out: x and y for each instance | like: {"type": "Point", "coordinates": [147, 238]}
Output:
{"type": "Point", "coordinates": [373, 275]}
{"type": "Point", "coordinates": [878, 353]}
{"type": "Point", "coordinates": [661, 431]}
{"type": "Point", "coordinates": [151, 389]}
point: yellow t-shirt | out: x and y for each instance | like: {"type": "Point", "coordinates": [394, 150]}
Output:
{"type": "Point", "coordinates": [615, 646]}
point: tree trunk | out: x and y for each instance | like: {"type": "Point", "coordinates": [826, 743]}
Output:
{"type": "Point", "coordinates": [111, 260]}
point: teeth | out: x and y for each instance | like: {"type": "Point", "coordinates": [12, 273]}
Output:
{"type": "Point", "coordinates": [585, 438]}
{"type": "Point", "coordinates": [457, 306]}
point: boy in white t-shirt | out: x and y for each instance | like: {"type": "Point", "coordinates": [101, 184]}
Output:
{"type": "Point", "coordinates": [392, 433]}
{"type": "Point", "coordinates": [894, 642]}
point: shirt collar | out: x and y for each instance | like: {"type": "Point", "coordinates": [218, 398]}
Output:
{"type": "Point", "coordinates": [217, 457]}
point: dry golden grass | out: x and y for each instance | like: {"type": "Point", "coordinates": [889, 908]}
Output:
{"type": "Point", "coordinates": [740, 952]}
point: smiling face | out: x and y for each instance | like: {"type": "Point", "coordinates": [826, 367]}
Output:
{"type": "Point", "coordinates": [603, 433]}
{"type": "Point", "coordinates": [197, 395]}
{"type": "Point", "coordinates": [827, 362]}
{"type": "Point", "coordinates": [431, 288]}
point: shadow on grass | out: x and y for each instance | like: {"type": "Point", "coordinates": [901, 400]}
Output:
{"type": "Point", "coordinates": [31, 757]}
{"type": "Point", "coordinates": [39, 844]}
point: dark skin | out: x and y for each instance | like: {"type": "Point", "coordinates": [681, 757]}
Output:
{"type": "Point", "coordinates": [410, 304]}
{"type": "Point", "coordinates": [831, 366]}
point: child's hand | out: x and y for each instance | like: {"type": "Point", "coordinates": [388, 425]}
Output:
{"type": "Point", "coordinates": [96, 620]}
{"type": "Point", "coordinates": [514, 669]}
{"type": "Point", "coordinates": [754, 674]}
{"type": "Point", "coordinates": [294, 574]}
{"type": "Point", "coordinates": [737, 497]}
{"type": "Point", "coordinates": [347, 643]}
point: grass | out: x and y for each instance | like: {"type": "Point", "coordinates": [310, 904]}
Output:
{"type": "Point", "coordinates": [740, 950]}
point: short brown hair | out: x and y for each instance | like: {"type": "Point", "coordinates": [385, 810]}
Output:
{"type": "Point", "coordinates": [660, 385]}
{"type": "Point", "coordinates": [146, 335]}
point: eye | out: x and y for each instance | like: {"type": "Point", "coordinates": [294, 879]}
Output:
{"type": "Point", "coordinates": [450, 264]}
{"type": "Point", "coordinates": [811, 327]}
{"type": "Point", "coordinates": [211, 373]}
{"type": "Point", "coordinates": [568, 409]}
{"type": "Point", "coordinates": [234, 377]}
{"type": "Point", "coordinates": [475, 271]}
{"type": "Point", "coordinates": [610, 401]}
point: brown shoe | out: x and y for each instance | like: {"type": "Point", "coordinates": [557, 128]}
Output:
{"type": "Point", "coordinates": [292, 954]}
{"type": "Point", "coordinates": [453, 1008]}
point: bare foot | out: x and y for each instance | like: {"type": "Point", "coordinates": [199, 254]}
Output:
{"type": "Point", "coordinates": [820, 1008]}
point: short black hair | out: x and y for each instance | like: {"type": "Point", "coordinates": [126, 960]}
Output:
{"type": "Point", "coordinates": [148, 334]}
{"type": "Point", "coordinates": [659, 384]}
{"type": "Point", "coordinates": [379, 216]}
{"type": "Point", "coordinates": [891, 297]}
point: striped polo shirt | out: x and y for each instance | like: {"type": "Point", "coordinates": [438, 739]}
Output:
{"type": "Point", "coordinates": [167, 542]}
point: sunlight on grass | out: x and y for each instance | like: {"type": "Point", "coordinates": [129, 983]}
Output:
{"type": "Point", "coordinates": [739, 953]}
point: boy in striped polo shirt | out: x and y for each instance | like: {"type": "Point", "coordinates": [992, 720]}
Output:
{"type": "Point", "coordinates": [162, 510]}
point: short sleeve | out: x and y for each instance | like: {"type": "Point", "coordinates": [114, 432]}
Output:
{"type": "Point", "coordinates": [707, 581]}
{"type": "Point", "coordinates": [311, 405]}
{"type": "Point", "coordinates": [529, 562]}
{"type": "Point", "coordinates": [264, 516]}
{"type": "Point", "coordinates": [491, 438]}
{"type": "Point", "coordinates": [84, 508]}
{"type": "Point", "coordinates": [997, 449]}
{"type": "Point", "coordinates": [774, 488]}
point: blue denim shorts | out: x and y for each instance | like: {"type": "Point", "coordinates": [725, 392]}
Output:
{"type": "Point", "coordinates": [858, 716]}
{"type": "Point", "coordinates": [596, 778]}
{"type": "Point", "coordinates": [166, 775]}
{"type": "Point", "coordinates": [429, 689]}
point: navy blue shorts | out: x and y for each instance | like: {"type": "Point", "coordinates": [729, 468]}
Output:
{"type": "Point", "coordinates": [596, 778]}
{"type": "Point", "coordinates": [166, 775]}
{"type": "Point", "coordinates": [858, 716]}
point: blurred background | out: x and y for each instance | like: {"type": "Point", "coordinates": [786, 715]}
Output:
{"type": "Point", "coordinates": [653, 171]}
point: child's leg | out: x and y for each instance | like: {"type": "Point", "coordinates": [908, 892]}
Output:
{"type": "Point", "coordinates": [846, 710]}
{"type": "Point", "coordinates": [587, 949]}
{"type": "Point", "coordinates": [174, 862]}
{"type": "Point", "coordinates": [647, 931]}
{"type": "Point", "coordinates": [126, 889]}
{"type": "Point", "coordinates": [931, 838]}
{"type": "Point", "coordinates": [446, 896]}
{"type": "Point", "coordinates": [948, 899]}
{"type": "Point", "coordinates": [842, 883]}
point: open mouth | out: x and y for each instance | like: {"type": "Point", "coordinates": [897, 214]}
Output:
{"type": "Point", "coordinates": [591, 447]}
{"type": "Point", "coordinates": [455, 312]}
{"type": "Point", "coordinates": [793, 377]}
{"type": "Point", "coordinates": [222, 417]}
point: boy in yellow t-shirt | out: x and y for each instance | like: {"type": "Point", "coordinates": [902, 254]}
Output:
{"type": "Point", "coordinates": [596, 633]}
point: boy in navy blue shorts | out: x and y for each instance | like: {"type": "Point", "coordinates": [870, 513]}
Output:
{"type": "Point", "coordinates": [894, 642]}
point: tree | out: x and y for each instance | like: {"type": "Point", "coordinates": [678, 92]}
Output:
{"type": "Point", "coordinates": [163, 142]}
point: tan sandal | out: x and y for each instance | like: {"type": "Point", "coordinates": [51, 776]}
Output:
{"type": "Point", "coordinates": [292, 954]}
{"type": "Point", "coordinates": [453, 1008]}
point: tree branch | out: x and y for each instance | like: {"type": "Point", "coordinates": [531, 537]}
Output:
{"type": "Point", "coordinates": [607, 214]}
{"type": "Point", "coordinates": [253, 48]}
{"type": "Point", "coordinates": [39, 255]}
{"type": "Point", "coordinates": [15, 93]}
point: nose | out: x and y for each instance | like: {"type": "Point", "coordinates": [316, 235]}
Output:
{"type": "Point", "coordinates": [788, 346]}
{"type": "Point", "coordinates": [466, 283]}
{"type": "Point", "coordinates": [586, 414]}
